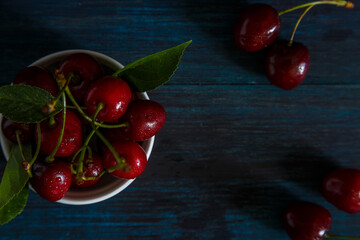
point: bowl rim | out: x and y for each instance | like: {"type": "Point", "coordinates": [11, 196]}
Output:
{"type": "Point", "coordinates": [113, 188]}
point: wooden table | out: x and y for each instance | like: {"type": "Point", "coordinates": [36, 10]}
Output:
{"type": "Point", "coordinates": [235, 150]}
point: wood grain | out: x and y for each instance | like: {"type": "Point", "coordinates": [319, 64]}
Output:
{"type": "Point", "coordinates": [235, 150]}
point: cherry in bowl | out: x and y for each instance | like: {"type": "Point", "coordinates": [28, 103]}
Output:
{"type": "Point", "coordinates": [108, 186]}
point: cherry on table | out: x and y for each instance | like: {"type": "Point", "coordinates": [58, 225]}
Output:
{"type": "Point", "coordinates": [92, 169]}
{"type": "Point", "coordinates": [341, 187]}
{"type": "Point", "coordinates": [72, 138]}
{"type": "Point", "coordinates": [9, 129]}
{"type": "Point", "coordinates": [287, 65]}
{"type": "Point", "coordinates": [86, 70]}
{"type": "Point", "coordinates": [257, 26]}
{"type": "Point", "coordinates": [134, 156]}
{"type": "Point", "coordinates": [51, 180]}
{"type": "Point", "coordinates": [145, 118]}
{"type": "Point", "coordinates": [115, 95]}
{"type": "Point", "coordinates": [307, 221]}
{"type": "Point", "coordinates": [37, 77]}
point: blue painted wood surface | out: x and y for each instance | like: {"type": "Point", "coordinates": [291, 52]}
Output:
{"type": "Point", "coordinates": [235, 150]}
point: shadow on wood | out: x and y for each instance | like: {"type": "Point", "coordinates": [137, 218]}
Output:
{"type": "Point", "coordinates": [260, 192]}
{"type": "Point", "coordinates": [217, 19]}
{"type": "Point", "coordinates": [23, 41]}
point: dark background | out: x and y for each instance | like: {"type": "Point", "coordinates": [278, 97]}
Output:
{"type": "Point", "coordinates": [235, 150]}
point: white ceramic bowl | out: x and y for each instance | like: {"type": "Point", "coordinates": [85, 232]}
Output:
{"type": "Point", "coordinates": [108, 186]}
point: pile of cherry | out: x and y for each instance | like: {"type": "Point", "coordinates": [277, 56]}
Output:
{"type": "Point", "coordinates": [80, 151]}
{"type": "Point", "coordinates": [287, 64]}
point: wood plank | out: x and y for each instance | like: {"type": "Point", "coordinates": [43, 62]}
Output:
{"type": "Point", "coordinates": [124, 29]}
{"type": "Point", "coordinates": [235, 150]}
{"type": "Point", "coordinates": [227, 162]}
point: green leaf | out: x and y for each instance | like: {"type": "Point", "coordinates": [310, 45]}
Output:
{"type": "Point", "coordinates": [153, 71]}
{"type": "Point", "coordinates": [15, 206]}
{"type": "Point", "coordinates": [23, 103]}
{"type": "Point", "coordinates": [15, 177]}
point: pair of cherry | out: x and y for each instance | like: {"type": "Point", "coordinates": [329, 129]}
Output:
{"type": "Point", "coordinates": [258, 27]}
{"type": "Point", "coordinates": [310, 221]}
{"type": "Point", "coordinates": [287, 64]}
{"type": "Point", "coordinates": [116, 113]}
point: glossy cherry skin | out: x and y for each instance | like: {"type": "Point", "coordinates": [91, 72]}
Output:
{"type": "Point", "coordinates": [257, 26]}
{"type": "Point", "coordinates": [9, 129]}
{"type": "Point", "coordinates": [37, 77]}
{"type": "Point", "coordinates": [92, 168]}
{"type": "Point", "coordinates": [342, 188]}
{"type": "Point", "coordinates": [286, 66]}
{"type": "Point", "coordinates": [51, 180]}
{"type": "Point", "coordinates": [113, 92]}
{"type": "Point", "coordinates": [146, 118]}
{"type": "Point", "coordinates": [307, 221]}
{"type": "Point", "coordinates": [86, 69]}
{"type": "Point", "coordinates": [114, 134]}
{"type": "Point", "coordinates": [72, 138]}
{"type": "Point", "coordinates": [134, 156]}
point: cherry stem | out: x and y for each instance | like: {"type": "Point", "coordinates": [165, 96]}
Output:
{"type": "Point", "coordinates": [81, 151]}
{"type": "Point", "coordinates": [75, 155]}
{"type": "Point", "coordinates": [73, 171]}
{"type": "Point", "coordinates": [89, 152]}
{"type": "Point", "coordinates": [17, 133]}
{"type": "Point", "coordinates": [340, 3]}
{"type": "Point", "coordinates": [121, 162]}
{"type": "Point", "coordinates": [80, 166]}
{"type": "Point", "coordinates": [52, 121]}
{"type": "Point", "coordinates": [62, 83]}
{"type": "Point", "coordinates": [341, 237]}
{"type": "Point", "coordinates": [37, 151]}
{"type": "Point", "coordinates": [62, 90]}
{"type": "Point", "coordinates": [73, 160]}
{"type": "Point", "coordinates": [297, 24]}
{"type": "Point", "coordinates": [50, 158]}
{"type": "Point", "coordinates": [73, 107]}
{"type": "Point", "coordinates": [25, 163]}
{"type": "Point", "coordinates": [80, 163]}
{"type": "Point", "coordinates": [98, 109]}
{"type": "Point", "coordinates": [72, 99]}
{"type": "Point", "coordinates": [95, 177]}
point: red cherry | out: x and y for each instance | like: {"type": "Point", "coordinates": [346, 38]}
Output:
{"type": "Point", "coordinates": [114, 134]}
{"type": "Point", "coordinates": [9, 129]}
{"type": "Point", "coordinates": [257, 26]}
{"type": "Point", "coordinates": [134, 156]}
{"type": "Point", "coordinates": [145, 117]}
{"type": "Point", "coordinates": [307, 221]}
{"type": "Point", "coordinates": [342, 188]}
{"type": "Point", "coordinates": [72, 138]}
{"type": "Point", "coordinates": [86, 70]}
{"type": "Point", "coordinates": [286, 66]}
{"type": "Point", "coordinates": [92, 168]}
{"type": "Point", "coordinates": [113, 92]}
{"type": "Point", "coordinates": [51, 180]}
{"type": "Point", "coordinates": [37, 77]}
